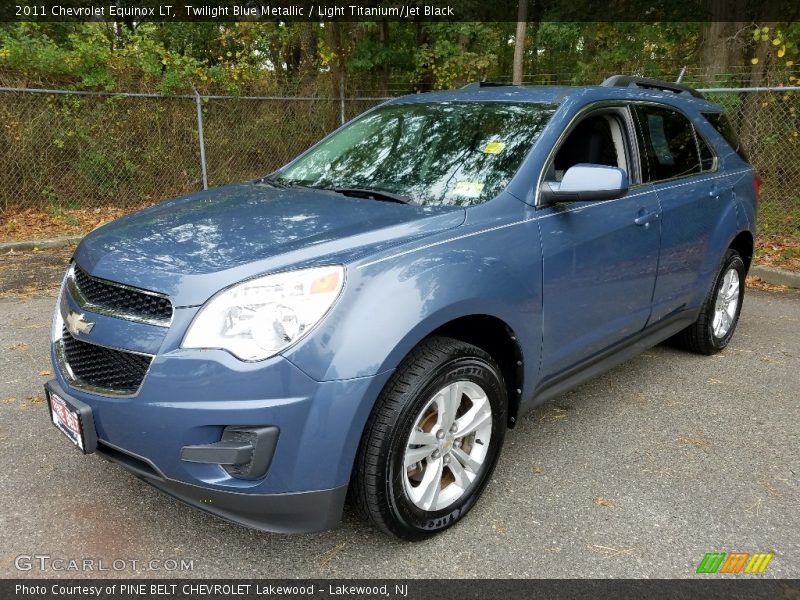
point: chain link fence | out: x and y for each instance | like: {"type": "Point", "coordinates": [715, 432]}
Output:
{"type": "Point", "coordinates": [65, 150]}
{"type": "Point", "coordinates": [768, 124]}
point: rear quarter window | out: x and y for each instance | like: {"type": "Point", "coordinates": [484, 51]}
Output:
{"type": "Point", "coordinates": [708, 161]}
{"type": "Point", "coordinates": [722, 124]}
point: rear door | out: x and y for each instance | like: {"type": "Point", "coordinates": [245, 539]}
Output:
{"type": "Point", "coordinates": [599, 257]}
{"type": "Point", "coordinates": [683, 169]}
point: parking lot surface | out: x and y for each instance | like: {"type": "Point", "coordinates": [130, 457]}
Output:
{"type": "Point", "coordinates": [638, 473]}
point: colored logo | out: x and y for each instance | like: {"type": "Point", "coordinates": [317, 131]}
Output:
{"type": "Point", "coordinates": [734, 562]}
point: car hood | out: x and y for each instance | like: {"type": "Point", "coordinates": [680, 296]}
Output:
{"type": "Point", "coordinates": [191, 247]}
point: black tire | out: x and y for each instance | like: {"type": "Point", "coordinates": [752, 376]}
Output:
{"type": "Point", "coordinates": [377, 490]}
{"type": "Point", "coordinates": [699, 337]}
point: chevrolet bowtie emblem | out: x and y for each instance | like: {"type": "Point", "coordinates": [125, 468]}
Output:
{"type": "Point", "coordinates": [77, 323]}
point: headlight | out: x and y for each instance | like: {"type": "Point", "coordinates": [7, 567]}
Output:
{"type": "Point", "coordinates": [57, 328]}
{"type": "Point", "coordinates": [258, 318]}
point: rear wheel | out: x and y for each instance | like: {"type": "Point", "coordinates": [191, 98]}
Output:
{"type": "Point", "coordinates": [714, 327]}
{"type": "Point", "coordinates": [432, 440]}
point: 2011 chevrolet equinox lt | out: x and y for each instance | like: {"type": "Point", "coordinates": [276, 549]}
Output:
{"type": "Point", "coordinates": [373, 316]}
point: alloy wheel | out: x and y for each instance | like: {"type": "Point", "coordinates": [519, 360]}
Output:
{"type": "Point", "coordinates": [726, 303]}
{"type": "Point", "coordinates": [447, 446]}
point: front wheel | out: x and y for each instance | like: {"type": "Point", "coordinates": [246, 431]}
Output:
{"type": "Point", "coordinates": [432, 440]}
{"type": "Point", "coordinates": [719, 315]}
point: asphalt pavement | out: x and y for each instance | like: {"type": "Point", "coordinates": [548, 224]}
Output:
{"type": "Point", "coordinates": [638, 473]}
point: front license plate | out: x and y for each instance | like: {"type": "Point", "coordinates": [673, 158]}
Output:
{"type": "Point", "coordinates": [66, 419]}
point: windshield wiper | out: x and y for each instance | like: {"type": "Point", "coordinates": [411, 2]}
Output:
{"type": "Point", "coordinates": [273, 181]}
{"type": "Point", "coordinates": [285, 184]}
{"type": "Point", "coordinates": [345, 191]}
{"type": "Point", "coordinates": [373, 194]}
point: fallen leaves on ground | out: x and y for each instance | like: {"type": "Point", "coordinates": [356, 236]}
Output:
{"type": "Point", "coordinates": [45, 373]}
{"type": "Point", "coordinates": [26, 274]}
{"type": "Point", "coordinates": [499, 528]}
{"type": "Point", "coordinates": [41, 224]}
{"type": "Point", "coordinates": [553, 414]}
{"type": "Point", "coordinates": [771, 489]}
{"type": "Point", "coordinates": [331, 554]}
{"type": "Point", "coordinates": [698, 441]}
{"type": "Point", "coordinates": [604, 502]}
{"type": "Point", "coordinates": [30, 401]}
{"type": "Point", "coordinates": [757, 283]}
{"type": "Point", "coordinates": [778, 251]}
{"type": "Point", "coordinates": [20, 347]}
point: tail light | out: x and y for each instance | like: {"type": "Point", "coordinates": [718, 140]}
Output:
{"type": "Point", "coordinates": [757, 187]}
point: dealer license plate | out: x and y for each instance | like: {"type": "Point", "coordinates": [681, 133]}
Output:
{"type": "Point", "coordinates": [66, 419]}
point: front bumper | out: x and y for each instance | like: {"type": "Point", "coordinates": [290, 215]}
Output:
{"type": "Point", "coordinates": [298, 512]}
{"type": "Point", "coordinates": [189, 397]}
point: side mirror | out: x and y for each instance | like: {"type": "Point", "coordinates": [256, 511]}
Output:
{"type": "Point", "coordinates": [585, 182]}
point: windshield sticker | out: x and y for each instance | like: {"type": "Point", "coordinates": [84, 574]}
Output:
{"type": "Point", "coordinates": [493, 147]}
{"type": "Point", "coordinates": [470, 189]}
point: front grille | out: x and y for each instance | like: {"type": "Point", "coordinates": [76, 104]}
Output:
{"type": "Point", "coordinates": [114, 371]}
{"type": "Point", "coordinates": [122, 301]}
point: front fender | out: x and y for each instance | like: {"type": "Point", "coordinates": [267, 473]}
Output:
{"type": "Point", "coordinates": [390, 305]}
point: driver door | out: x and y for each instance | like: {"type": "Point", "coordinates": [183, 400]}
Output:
{"type": "Point", "coordinates": [599, 257]}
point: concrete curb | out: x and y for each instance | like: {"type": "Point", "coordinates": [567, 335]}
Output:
{"type": "Point", "coordinates": [58, 242]}
{"type": "Point", "coordinates": [775, 276]}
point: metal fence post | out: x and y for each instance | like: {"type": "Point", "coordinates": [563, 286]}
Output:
{"type": "Point", "coordinates": [201, 138]}
{"type": "Point", "coordinates": [341, 100]}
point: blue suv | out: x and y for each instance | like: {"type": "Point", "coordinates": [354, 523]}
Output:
{"type": "Point", "coordinates": [369, 320]}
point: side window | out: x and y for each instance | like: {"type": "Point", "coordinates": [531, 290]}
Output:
{"type": "Point", "coordinates": [598, 139]}
{"type": "Point", "coordinates": [669, 143]}
{"type": "Point", "coordinates": [708, 161]}
{"type": "Point", "coordinates": [722, 124]}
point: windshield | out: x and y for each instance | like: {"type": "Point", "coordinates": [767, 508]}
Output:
{"type": "Point", "coordinates": [446, 153]}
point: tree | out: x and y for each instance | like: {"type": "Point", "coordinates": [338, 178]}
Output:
{"type": "Point", "coordinates": [519, 42]}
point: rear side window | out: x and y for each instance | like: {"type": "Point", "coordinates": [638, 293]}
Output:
{"type": "Point", "coordinates": [708, 161]}
{"type": "Point", "coordinates": [722, 124]}
{"type": "Point", "coordinates": [670, 146]}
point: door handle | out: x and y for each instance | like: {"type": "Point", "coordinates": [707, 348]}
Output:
{"type": "Point", "coordinates": [713, 192]}
{"type": "Point", "coordinates": [645, 218]}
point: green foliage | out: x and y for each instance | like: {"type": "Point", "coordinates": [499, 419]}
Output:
{"type": "Point", "coordinates": [781, 45]}
{"type": "Point", "coordinates": [456, 53]}
{"type": "Point", "coordinates": [81, 55]}
{"type": "Point", "coordinates": [249, 57]}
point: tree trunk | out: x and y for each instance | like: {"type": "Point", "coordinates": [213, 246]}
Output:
{"type": "Point", "coordinates": [714, 55]}
{"type": "Point", "coordinates": [333, 37]}
{"type": "Point", "coordinates": [719, 48]}
{"type": "Point", "coordinates": [519, 42]}
{"type": "Point", "coordinates": [385, 67]}
{"type": "Point", "coordinates": [308, 42]}
{"type": "Point", "coordinates": [426, 80]}
{"type": "Point", "coordinates": [334, 41]}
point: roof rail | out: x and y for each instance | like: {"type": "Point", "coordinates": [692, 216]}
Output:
{"type": "Point", "coordinates": [653, 84]}
{"type": "Point", "coordinates": [480, 84]}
